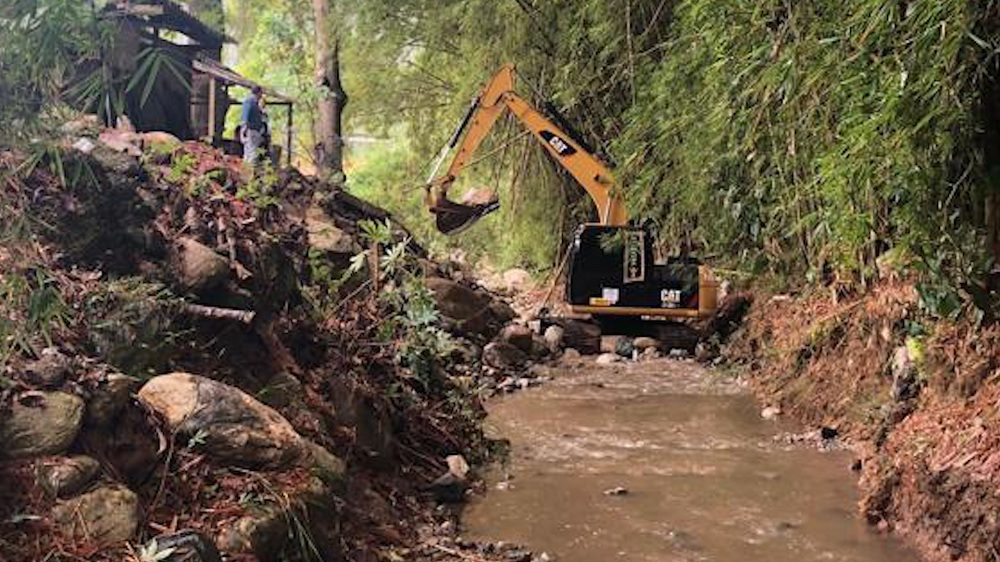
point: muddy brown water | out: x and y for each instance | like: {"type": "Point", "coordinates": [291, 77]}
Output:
{"type": "Point", "coordinates": [706, 477]}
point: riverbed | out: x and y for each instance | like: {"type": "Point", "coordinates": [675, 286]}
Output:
{"type": "Point", "coordinates": [666, 461]}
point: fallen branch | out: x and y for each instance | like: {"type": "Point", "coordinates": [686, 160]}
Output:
{"type": "Point", "coordinates": [202, 311]}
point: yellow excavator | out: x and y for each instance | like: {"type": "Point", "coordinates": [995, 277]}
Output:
{"type": "Point", "coordinates": [613, 274]}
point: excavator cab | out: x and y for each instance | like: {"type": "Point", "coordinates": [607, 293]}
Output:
{"type": "Point", "coordinates": [614, 272]}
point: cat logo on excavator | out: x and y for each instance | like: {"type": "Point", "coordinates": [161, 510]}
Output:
{"type": "Point", "coordinates": [561, 147]}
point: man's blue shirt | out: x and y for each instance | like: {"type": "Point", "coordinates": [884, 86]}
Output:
{"type": "Point", "coordinates": [251, 115]}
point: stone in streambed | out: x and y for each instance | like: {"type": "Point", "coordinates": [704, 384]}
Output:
{"type": "Point", "coordinates": [770, 412]}
{"type": "Point", "coordinates": [518, 336]}
{"type": "Point", "coordinates": [608, 359]}
{"type": "Point", "coordinates": [554, 338]}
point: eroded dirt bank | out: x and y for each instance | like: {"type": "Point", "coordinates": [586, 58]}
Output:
{"type": "Point", "coordinates": [919, 398]}
{"type": "Point", "coordinates": [667, 460]}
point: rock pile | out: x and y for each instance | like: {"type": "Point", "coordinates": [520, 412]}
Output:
{"type": "Point", "coordinates": [215, 360]}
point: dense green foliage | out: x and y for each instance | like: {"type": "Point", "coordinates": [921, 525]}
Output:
{"type": "Point", "coordinates": [805, 139]}
{"type": "Point", "coordinates": [802, 138]}
{"type": "Point", "coordinates": [43, 42]}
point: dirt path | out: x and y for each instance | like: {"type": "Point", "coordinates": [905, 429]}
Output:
{"type": "Point", "coordinates": [700, 475]}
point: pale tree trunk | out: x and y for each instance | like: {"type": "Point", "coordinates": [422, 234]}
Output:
{"type": "Point", "coordinates": [333, 98]}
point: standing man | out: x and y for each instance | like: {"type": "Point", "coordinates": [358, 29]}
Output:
{"type": "Point", "coordinates": [252, 126]}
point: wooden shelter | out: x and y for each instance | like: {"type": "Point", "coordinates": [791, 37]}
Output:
{"type": "Point", "coordinates": [189, 94]}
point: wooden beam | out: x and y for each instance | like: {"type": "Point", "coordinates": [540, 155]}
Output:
{"type": "Point", "coordinates": [288, 134]}
{"type": "Point", "coordinates": [211, 110]}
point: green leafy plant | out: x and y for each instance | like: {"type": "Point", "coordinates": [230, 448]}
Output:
{"type": "Point", "coordinates": [151, 552]}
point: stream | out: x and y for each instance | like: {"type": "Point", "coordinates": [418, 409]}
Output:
{"type": "Point", "coordinates": [700, 475]}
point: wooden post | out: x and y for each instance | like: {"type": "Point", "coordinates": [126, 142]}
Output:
{"type": "Point", "coordinates": [288, 134]}
{"type": "Point", "coordinates": [211, 110]}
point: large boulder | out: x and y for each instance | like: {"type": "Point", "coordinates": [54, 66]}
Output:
{"type": "Point", "coordinates": [325, 236]}
{"type": "Point", "coordinates": [231, 425]}
{"type": "Point", "coordinates": [198, 267]}
{"type": "Point", "coordinates": [471, 311]}
{"type": "Point", "coordinates": [40, 424]}
{"type": "Point", "coordinates": [107, 515]}
{"type": "Point", "coordinates": [585, 337]}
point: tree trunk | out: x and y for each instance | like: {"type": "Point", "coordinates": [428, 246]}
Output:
{"type": "Point", "coordinates": [333, 98]}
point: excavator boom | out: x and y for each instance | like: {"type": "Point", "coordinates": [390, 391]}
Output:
{"type": "Point", "coordinates": [496, 98]}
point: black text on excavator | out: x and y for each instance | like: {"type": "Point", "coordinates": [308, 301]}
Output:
{"type": "Point", "coordinates": [613, 274]}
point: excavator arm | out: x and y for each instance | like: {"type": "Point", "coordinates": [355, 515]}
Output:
{"type": "Point", "coordinates": [497, 97]}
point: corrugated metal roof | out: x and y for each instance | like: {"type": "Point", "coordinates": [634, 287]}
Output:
{"type": "Point", "coordinates": [230, 76]}
{"type": "Point", "coordinates": [167, 14]}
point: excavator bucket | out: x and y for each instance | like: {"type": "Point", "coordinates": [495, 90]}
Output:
{"type": "Point", "coordinates": [453, 217]}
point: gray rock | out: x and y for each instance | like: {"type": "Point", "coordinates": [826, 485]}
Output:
{"type": "Point", "coordinates": [651, 353]}
{"type": "Point", "coordinates": [904, 375]}
{"type": "Point", "coordinates": [39, 424]}
{"type": "Point", "coordinates": [609, 344]}
{"type": "Point", "coordinates": [325, 236]}
{"type": "Point", "coordinates": [625, 348]}
{"type": "Point", "coordinates": [282, 390]}
{"type": "Point", "coordinates": [554, 337]}
{"type": "Point", "coordinates": [105, 516]}
{"type": "Point", "coordinates": [501, 311]}
{"type": "Point", "coordinates": [457, 465]}
{"type": "Point", "coordinates": [110, 397]}
{"type": "Point", "coordinates": [539, 347]}
{"type": "Point", "coordinates": [571, 356]}
{"type": "Point", "coordinates": [329, 467]}
{"type": "Point", "coordinates": [468, 309]}
{"type": "Point", "coordinates": [234, 426]}
{"type": "Point", "coordinates": [504, 356]}
{"type": "Point", "coordinates": [50, 370]}
{"type": "Point", "coordinates": [63, 477]}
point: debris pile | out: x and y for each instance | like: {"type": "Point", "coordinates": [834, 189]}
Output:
{"type": "Point", "coordinates": [205, 359]}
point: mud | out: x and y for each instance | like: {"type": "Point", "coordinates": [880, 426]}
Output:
{"type": "Point", "coordinates": [666, 461]}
